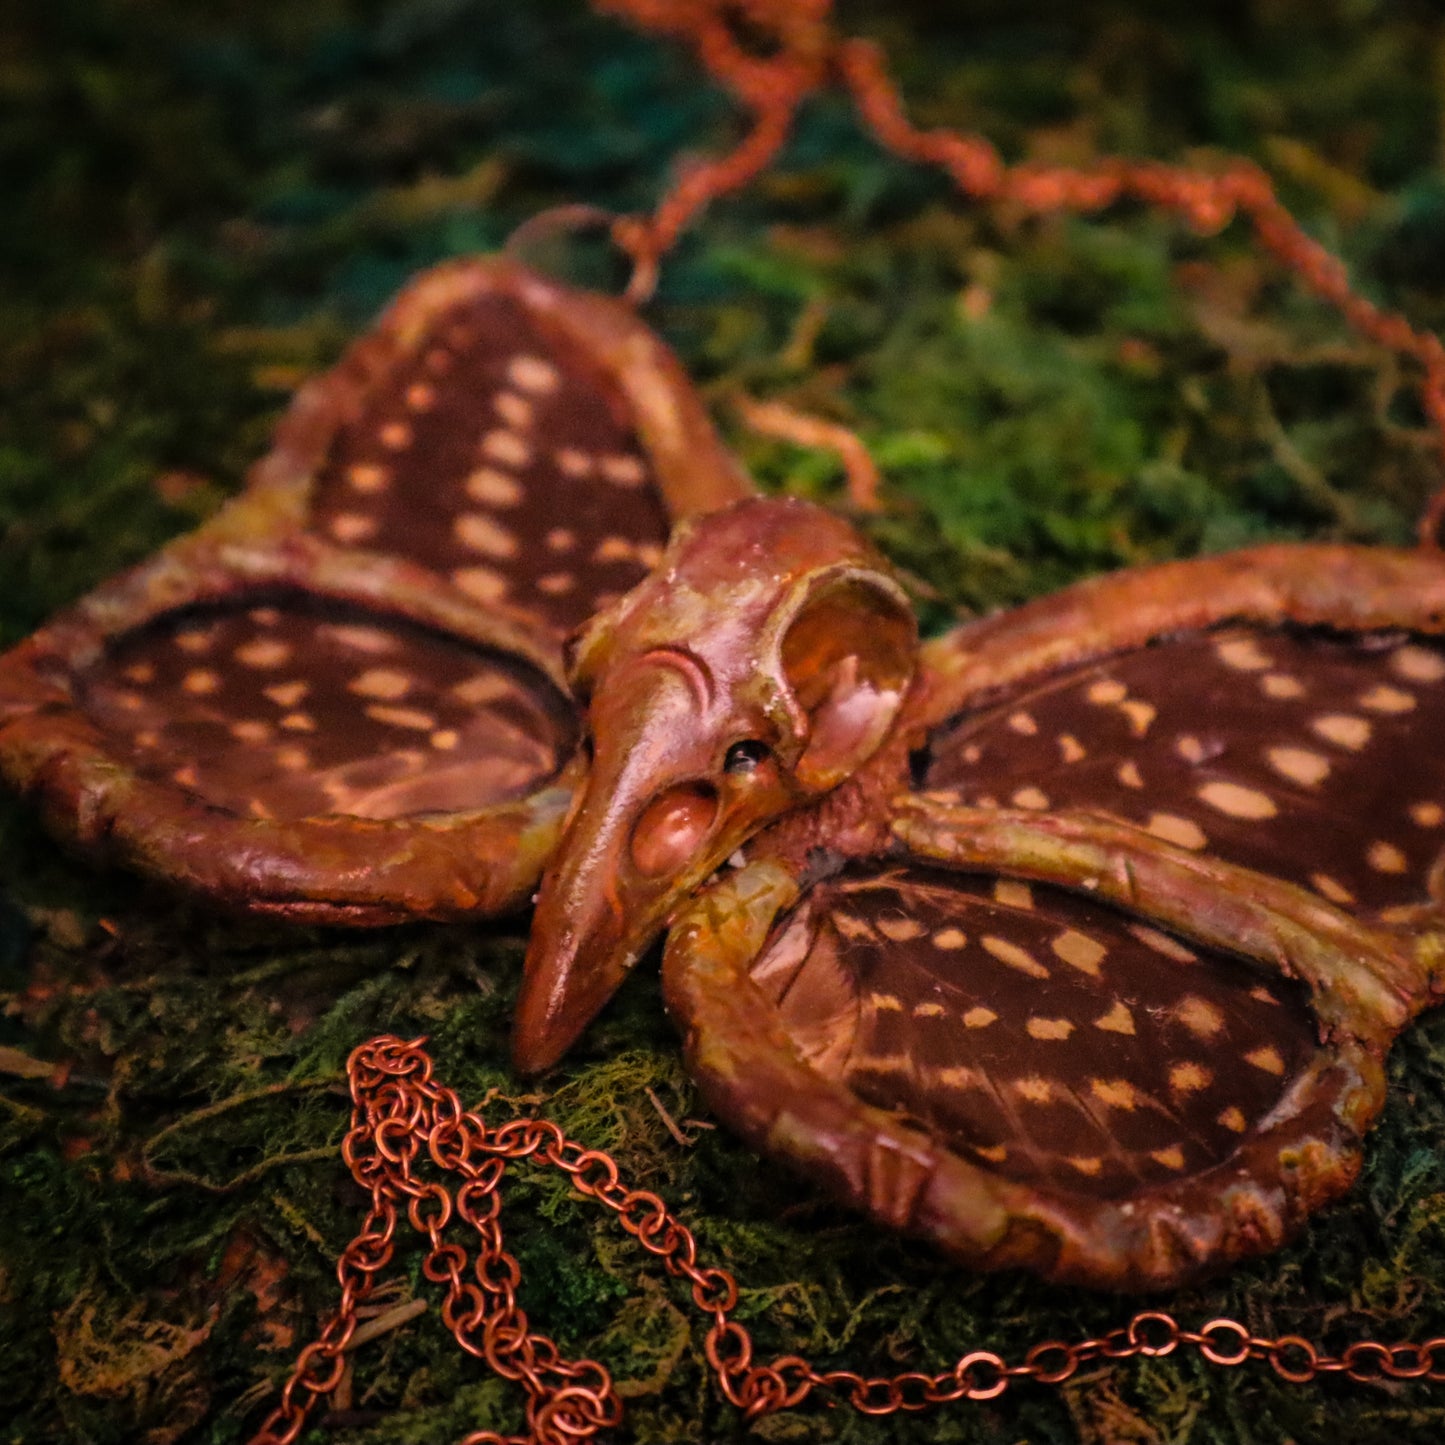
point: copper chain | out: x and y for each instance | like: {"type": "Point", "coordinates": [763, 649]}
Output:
{"type": "Point", "coordinates": [804, 53]}
{"type": "Point", "coordinates": [405, 1126]}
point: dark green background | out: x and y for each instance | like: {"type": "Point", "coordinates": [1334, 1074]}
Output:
{"type": "Point", "coordinates": [203, 199]}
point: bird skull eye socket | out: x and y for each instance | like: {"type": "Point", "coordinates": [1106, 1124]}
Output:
{"type": "Point", "coordinates": [746, 756]}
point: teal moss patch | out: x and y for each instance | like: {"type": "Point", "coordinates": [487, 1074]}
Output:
{"type": "Point", "coordinates": [203, 202]}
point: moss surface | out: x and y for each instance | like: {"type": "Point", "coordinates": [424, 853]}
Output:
{"type": "Point", "coordinates": [204, 200]}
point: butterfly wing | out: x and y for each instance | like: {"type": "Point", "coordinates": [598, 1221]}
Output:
{"type": "Point", "coordinates": [1111, 995]}
{"type": "Point", "coordinates": [343, 697]}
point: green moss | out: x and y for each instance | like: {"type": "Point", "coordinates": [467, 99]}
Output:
{"type": "Point", "coordinates": [204, 201]}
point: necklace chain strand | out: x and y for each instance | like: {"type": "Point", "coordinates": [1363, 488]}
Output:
{"type": "Point", "coordinates": [404, 1124]}
{"type": "Point", "coordinates": [806, 54]}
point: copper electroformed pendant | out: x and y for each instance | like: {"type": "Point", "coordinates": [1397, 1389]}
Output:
{"type": "Point", "coordinates": [1074, 940]}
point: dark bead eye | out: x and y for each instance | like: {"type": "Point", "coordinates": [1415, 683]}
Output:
{"type": "Point", "coordinates": [744, 756]}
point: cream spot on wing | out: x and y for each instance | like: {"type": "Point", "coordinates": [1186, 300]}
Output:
{"type": "Point", "coordinates": [972, 753]}
{"type": "Point", "coordinates": [384, 683]}
{"type": "Point", "coordinates": [1299, 765]}
{"type": "Point", "coordinates": [1140, 715]}
{"type": "Point", "coordinates": [141, 672]}
{"type": "Point", "coordinates": [928, 1010]}
{"type": "Point", "coordinates": [1013, 894]}
{"type": "Point", "coordinates": [1199, 1016]}
{"type": "Point", "coordinates": [374, 640]}
{"type": "Point", "coordinates": [194, 641]}
{"type": "Point", "coordinates": [1386, 858]}
{"type": "Point", "coordinates": [885, 1002]}
{"type": "Point", "coordinates": [1023, 723]}
{"type": "Point", "coordinates": [1170, 1158]}
{"type": "Point", "coordinates": [1267, 1058]}
{"type": "Point", "coordinates": [1162, 943]}
{"type": "Point", "coordinates": [994, 1153]}
{"type": "Point", "coordinates": [1117, 1021]}
{"type": "Point", "coordinates": [395, 435]}
{"type": "Point", "coordinates": [1115, 1093]}
{"type": "Point", "coordinates": [420, 396]}
{"type": "Point", "coordinates": [957, 1076]}
{"type": "Point", "coordinates": [950, 939]}
{"type": "Point", "coordinates": [1329, 888]}
{"type": "Point", "coordinates": [648, 553]}
{"type": "Point", "coordinates": [294, 759]}
{"type": "Point", "coordinates": [402, 717]}
{"type": "Point", "coordinates": [484, 688]}
{"type": "Point", "coordinates": [493, 488]}
{"type": "Point", "coordinates": [1071, 750]}
{"type": "Point", "coordinates": [1031, 797]}
{"type": "Point", "coordinates": [559, 539]}
{"type": "Point", "coordinates": [1237, 801]}
{"type": "Point", "coordinates": [264, 652]}
{"type": "Point", "coordinates": [1387, 699]}
{"type": "Point", "coordinates": [1189, 1078]}
{"type": "Point", "coordinates": [1280, 686]}
{"type": "Point", "coordinates": [1242, 654]}
{"type": "Point", "coordinates": [851, 926]}
{"type": "Point", "coordinates": [1089, 1164]}
{"type": "Point", "coordinates": [506, 447]}
{"type": "Point", "coordinates": [147, 738]}
{"type": "Point", "coordinates": [572, 463]}
{"type": "Point", "coordinates": [1190, 748]}
{"type": "Point", "coordinates": [623, 471]}
{"type": "Point", "coordinates": [287, 694]}
{"type": "Point", "coordinates": [481, 583]}
{"type": "Point", "coordinates": [1427, 815]}
{"type": "Point", "coordinates": [130, 701]}
{"type": "Point", "coordinates": [264, 616]}
{"type": "Point", "coordinates": [250, 731]}
{"type": "Point", "coordinates": [299, 722]}
{"type": "Point", "coordinates": [1418, 664]}
{"type": "Point", "coordinates": [201, 682]}
{"type": "Point", "coordinates": [1233, 1120]}
{"type": "Point", "coordinates": [515, 410]}
{"type": "Point", "coordinates": [1080, 951]}
{"type": "Point", "coordinates": [1182, 832]}
{"type": "Point", "coordinates": [613, 549]}
{"type": "Point", "coordinates": [351, 527]}
{"type": "Point", "coordinates": [1014, 956]}
{"type": "Point", "coordinates": [979, 1017]}
{"type": "Point", "coordinates": [1035, 1089]}
{"type": "Point", "coordinates": [900, 930]}
{"type": "Point", "coordinates": [556, 584]}
{"type": "Point", "coordinates": [368, 477]}
{"type": "Point", "coordinates": [533, 374]}
{"type": "Point", "coordinates": [1342, 729]}
{"type": "Point", "coordinates": [1129, 775]}
{"type": "Point", "coordinates": [185, 776]}
{"type": "Point", "coordinates": [1042, 1028]}
{"type": "Point", "coordinates": [1106, 692]}
{"type": "Point", "coordinates": [445, 739]}
{"type": "Point", "coordinates": [1260, 994]}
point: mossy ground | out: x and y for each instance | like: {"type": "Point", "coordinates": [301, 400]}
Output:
{"type": "Point", "coordinates": [204, 200]}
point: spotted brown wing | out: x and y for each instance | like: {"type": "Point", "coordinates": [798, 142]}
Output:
{"type": "Point", "coordinates": [1036, 1076]}
{"type": "Point", "coordinates": [343, 697]}
{"type": "Point", "coordinates": [1306, 753]}
{"type": "Point", "coordinates": [530, 443]}
{"type": "Point", "coordinates": [292, 707]}
{"type": "Point", "coordinates": [1041, 1036]}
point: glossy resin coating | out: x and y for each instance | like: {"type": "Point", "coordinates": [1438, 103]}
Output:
{"type": "Point", "coordinates": [343, 697]}
{"type": "Point", "coordinates": [1106, 987]}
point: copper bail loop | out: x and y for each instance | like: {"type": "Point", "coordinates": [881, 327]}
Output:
{"type": "Point", "coordinates": [629, 234]}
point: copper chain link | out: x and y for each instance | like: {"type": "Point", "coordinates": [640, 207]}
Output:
{"type": "Point", "coordinates": [404, 1126]}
